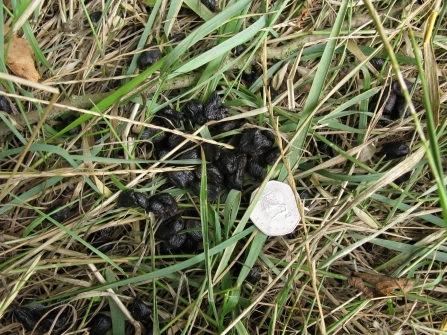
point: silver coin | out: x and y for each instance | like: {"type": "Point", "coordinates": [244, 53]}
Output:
{"type": "Point", "coordinates": [276, 213]}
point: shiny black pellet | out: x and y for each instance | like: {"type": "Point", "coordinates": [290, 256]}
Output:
{"type": "Point", "coordinates": [212, 152]}
{"type": "Point", "coordinates": [193, 153]}
{"type": "Point", "coordinates": [256, 168]}
{"type": "Point", "coordinates": [5, 106]}
{"type": "Point", "coordinates": [227, 126]}
{"type": "Point", "coordinates": [50, 319]}
{"type": "Point", "coordinates": [156, 136]}
{"type": "Point", "coordinates": [130, 199]}
{"type": "Point", "coordinates": [174, 242]}
{"type": "Point", "coordinates": [213, 108]}
{"type": "Point", "coordinates": [377, 63]}
{"type": "Point", "coordinates": [163, 205]}
{"type": "Point", "coordinates": [227, 162]}
{"type": "Point", "coordinates": [213, 190]}
{"type": "Point", "coordinates": [189, 246]}
{"type": "Point", "coordinates": [213, 174]}
{"type": "Point", "coordinates": [398, 90]}
{"type": "Point", "coordinates": [236, 180]}
{"type": "Point", "coordinates": [181, 179]}
{"type": "Point", "coordinates": [389, 104]}
{"type": "Point", "coordinates": [177, 38]}
{"type": "Point", "coordinates": [168, 118]}
{"type": "Point", "coordinates": [149, 57]}
{"type": "Point", "coordinates": [26, 317]}
{"type": "Point", "coordinates": [140, 311]}
{"type": "Point", "coordinates": [395, 150]}
{"type": "Point", "coordinates": [401, 109]}
{"type": "Point", "coordinates": [406, 176]}
{"type": "Point", "coordinates": [255, 142]}
{"type": "Point", "coordinates": [271, 156]}
{"type": "Point", "coordinates": [325, 149]}
{"type": "Point", "coordinates": [175, 139]}
{"type": "Point", "coordinates": [193, 111]}
{"type": "Point", "coordinates": [170, 227]}
{"type": "Point", "coordinates": [61, 215]}
{"type": "Point", "coordinates": [100, 324]}
{"type": "Point", "coordinates": [254, 275]}
{"type": "Point", "coordinates": [210, 4]}
{"type": "Point", "coordinates": [239, 50]}
{"type": "Point", "coordinates": [95, 17]}
{"type": "Point", "coordinates": [194, 228]}
{"type": "Point", "coordinates": [305, 197]}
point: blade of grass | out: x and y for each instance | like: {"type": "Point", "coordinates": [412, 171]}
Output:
{"type": "Point", "coordinates": [314, 95]}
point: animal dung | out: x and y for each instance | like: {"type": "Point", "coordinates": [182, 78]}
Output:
{"type": "Point", "coordinates": [213, 108]}
{"type": "Point", "coordinates": [181, 179]}
{"type": "Point", "coordinates": [131, 199]}
{"type": "Point", "coordinates": [100, 324]}
{"type": "Point", "coordinates": [140, 311]}
{"type": "Point", "coordinates": [256, 142]}
{"type": "Point", "coordinates": [163, 205]}
{"type": "Point", "coordinates": [393, 150]}
{"type": "Point", "coordinates": [149, 57]}
{"type": "Point", "coordinates": [5, 106]}
{"type": "Point", "coordinates": [170, 227]}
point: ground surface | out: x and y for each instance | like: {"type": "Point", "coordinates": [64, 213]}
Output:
{"type": "Point", "coordinates": [305, 76]}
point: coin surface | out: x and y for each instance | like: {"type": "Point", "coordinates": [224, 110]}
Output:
{"type": "Point", "coordinates": [276, 213]}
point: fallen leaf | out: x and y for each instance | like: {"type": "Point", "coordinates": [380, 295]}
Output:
{"type": "Point", "coordinates": [386, 285]}
{"type": "Point", "coordinates": [357, 283]}
{"type": "Point", "coordinates": [20, 59]}
{"type": "Point", "coordinates": [302, 16]}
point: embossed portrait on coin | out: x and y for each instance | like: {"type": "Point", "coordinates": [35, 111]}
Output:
{"type": "Point", "coordinates": [272, 204]}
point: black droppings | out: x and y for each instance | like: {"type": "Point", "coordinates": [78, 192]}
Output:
{"type": "Point", "coordinates": [55, 320]}
{"type": "Point", "coordinates": [174, 242]}
{"type": "Point", "coordinates": [212, 152]}
{"type": "Point", "coordinates": [26, 317]}
{"type": "Point", "coordinates": [100, 324]}
{"type": "Point", "coordinates": [168, 118]}
{"type": "Point", "coordinates": [395, 150]}
{"type": "Point", "coordinates": [271, 156]}
{"type": "Point", "coordinates": [405, 177]}
{"type": "Point", "coordinates": [189, 246]}
{"type": "Point", "coordinates": [401, 109]}
{"type": "Point", "coordinates": [256, 168]}
{"type": "Point", "coordinates": [325, 149]}
{"type": "Point", "coordinates": [170, 227]}
{"type": "Point", "coordinates": [194, 228]}
{"type": "Point", "coordinates": [210, 4]}
{"type": "Point", "coordinates": [61, 215]}
{"type": "Point", "coordinates": [306, 198]}
{"type": "Point", "coordinates": [177, 38]}
{"type": "Point", "coordinates": [175, 139]}
{"type": "Point", "coordinates": [103, 244]}
{"type": "Point", "coordinates": [213, 190]}
{"type": "Point", "coordinates": [389, 103]}
{"type": "Point", "coordinates": [236, 180]}
{"type": "Point", "coordinates": [227, 162]}
{"type": "Point", "coordinates": [213, 174]}
{"type": "Point", "coordinates": [255, 142]}
{"type": "Point", "coordinates": [156, 136]}
{"type": "Point", "coordinates": [5, 106]}
{"type": "Point", "coordinates": [130, 199]}
{"type": "Point", "coordinates": [377, 63]}
{"type": "Point", "coordinates": [239, 50]}
{"type": "Point", "coordinates": [193, 111]}
{"type": "Point", "coordinates": [140, 311]}
{"type": "Point", "coordinates": [398, 90]}
{"type": "Point", "coordinates": [163, 205]}
{"type": "Point", "coordinates": [149, 57]}
{"type": "Point", "coordinates": [254, 275]}
{"type": "Point", "coordinates": [213, 108]}
{"type": "Point", "coordinates": [95, 17]}
{"type": "Point", "coordinates": [193, 153]}
{"type": "Point", "coordinates": [227, 126]}
{"type": "Point", "coordinates": [181, 179]}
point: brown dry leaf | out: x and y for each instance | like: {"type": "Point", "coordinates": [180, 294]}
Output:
{"type": "Point", "coordinates": [20, 59]}
{"type": "Point", "coordinates": [357, 283]}
{"type": "Point", "coordinates": [390, 284]}
{"type": "Point", "coordinates": [386, 285]}
{"type": "Point", "coordinates": [302, 16]}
